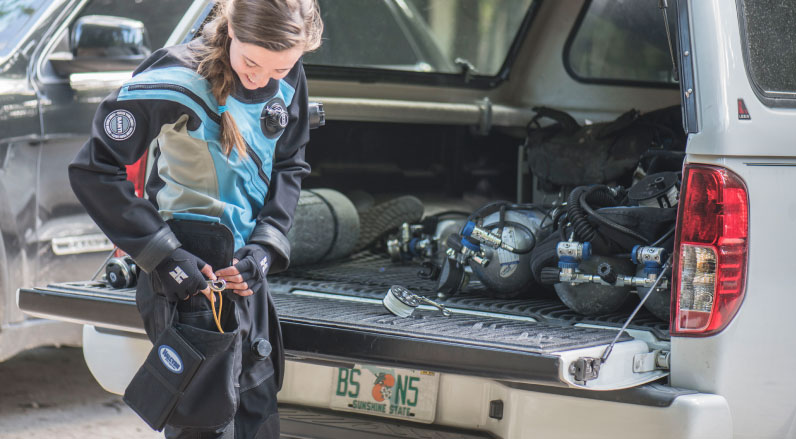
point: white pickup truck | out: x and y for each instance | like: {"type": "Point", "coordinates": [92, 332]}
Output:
{"type": "Point", "coordinates": [435, 104]}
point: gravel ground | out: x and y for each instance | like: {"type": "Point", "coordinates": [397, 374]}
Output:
{"type": "Point", "coordinates": [49, 393]}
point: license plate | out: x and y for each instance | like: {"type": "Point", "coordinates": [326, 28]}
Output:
{"type": "Point", "coordinates": [389, 392]}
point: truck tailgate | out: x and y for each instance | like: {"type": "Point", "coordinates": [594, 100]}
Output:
{"type": "Point", "coordinates": [320, 327]}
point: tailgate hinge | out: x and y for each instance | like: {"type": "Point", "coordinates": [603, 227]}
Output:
{"type": "Point", "coordinates": [585, 369]}
{"type": "Point", "coordinates": [655, 360]}
{"type": "Point", "coordinates": [588, 368]}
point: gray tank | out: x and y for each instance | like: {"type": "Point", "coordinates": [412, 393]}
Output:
{"type": "Point", "coordinates": [508, 274]}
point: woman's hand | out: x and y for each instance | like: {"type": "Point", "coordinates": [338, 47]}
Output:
{"type": "Point", "coordinates": [248, 270]}
{"type": "Point", "coordinates": [181, 275]}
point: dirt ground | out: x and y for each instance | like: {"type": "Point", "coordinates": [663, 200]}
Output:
{"type": "Point", "coordinates": [49, 393]}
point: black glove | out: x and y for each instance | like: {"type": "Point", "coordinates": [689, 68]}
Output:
{"type": "Point", "coordinates": [254, 260]}
{"type": "Point", "coordinates": [179, 276]}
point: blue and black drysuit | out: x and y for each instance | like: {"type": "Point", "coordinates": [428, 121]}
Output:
{"type": "Point", "coordinates": [167, 112]}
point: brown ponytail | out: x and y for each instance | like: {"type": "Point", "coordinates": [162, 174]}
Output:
{"type": "Point", "coordinates": [276, 25]}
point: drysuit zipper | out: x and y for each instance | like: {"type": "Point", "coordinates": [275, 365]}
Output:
{"type": "Point", "coordinates": [210, 113]}
{"type": "Point", "coordinates": [179, 89]}
{"type": "Point", "coordinates": [259, 163]}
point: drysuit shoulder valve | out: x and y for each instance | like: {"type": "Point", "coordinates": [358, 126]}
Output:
{"type": "Point", "coordinates": [274, 118]}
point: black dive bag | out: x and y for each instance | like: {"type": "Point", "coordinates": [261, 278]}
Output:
{"type": "Point", "coordinates": [190, 377]}
{"type": "Point", "coordinates": [160, 382]}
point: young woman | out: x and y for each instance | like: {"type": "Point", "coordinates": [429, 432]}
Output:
{"type": "Point", "coordinates": [223, 122]}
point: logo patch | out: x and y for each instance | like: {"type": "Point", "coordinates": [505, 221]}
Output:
{"type": "Point", "coordinates": [170, 358]}
{"type": "Point", "coordinates": [178, 275]}
{"type": "Point", "coordinates": [264, 265]}
{"type": "Point", "coordinates": [119, 125]}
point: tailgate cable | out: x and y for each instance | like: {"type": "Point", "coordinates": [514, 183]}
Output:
{"type": "Point", "coordinates": [663, 5]}
{"type": "Point", "coordinates": [588, 368]}
{"type": "Point", "coordinates": [610, 347]}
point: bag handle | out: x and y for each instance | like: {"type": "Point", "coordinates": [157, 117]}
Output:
{"type": "Point", "coordinates": [625, 120]}
{"type": "Point", "coordinates": [565, 119]}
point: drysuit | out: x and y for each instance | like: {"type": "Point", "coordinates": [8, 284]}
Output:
{"type": "Point", "coordinates": [167, 112]}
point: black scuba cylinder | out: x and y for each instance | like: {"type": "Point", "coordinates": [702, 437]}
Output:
{"type": "Point", "coordinates": [326, 227]}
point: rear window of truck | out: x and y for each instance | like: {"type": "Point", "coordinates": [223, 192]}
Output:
{"type": "Point", "coordinates": [621, 42]}
{"type": "Point", "coordinates": [770, 38]}
{"type": "Point", "coordinates": [424, 41]}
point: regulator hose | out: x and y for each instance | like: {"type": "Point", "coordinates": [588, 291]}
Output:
{"type": "Point", "coordinates": [577, 215]}
{"type": "Point", "coordinates": [603, 195]}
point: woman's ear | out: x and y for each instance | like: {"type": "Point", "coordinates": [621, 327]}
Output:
{"type": "Point", "coordinates": [229, 31]}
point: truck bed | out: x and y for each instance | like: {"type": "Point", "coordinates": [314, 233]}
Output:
{"type": "Point", "coordinates": [333, 313]}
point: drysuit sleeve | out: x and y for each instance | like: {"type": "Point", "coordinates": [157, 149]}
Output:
{"type": "Point", "coordinates": [121, 133]}
{"type": "Point", "coordinates": [276, 217]}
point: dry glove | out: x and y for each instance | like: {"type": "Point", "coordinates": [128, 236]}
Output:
{"type": "Point", "coordinates": [179, 276]}
{"type": "Point", "coordinates": [254, 260]}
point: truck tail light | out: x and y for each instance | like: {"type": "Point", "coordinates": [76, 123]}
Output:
{"type": "Point", "coordinates": [709, 276]}
{"type": "Point", "coordinates": [136, 173]}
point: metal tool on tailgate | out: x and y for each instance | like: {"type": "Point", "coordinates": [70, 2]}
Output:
{"type": "Point", "coordinates": [402, 302]}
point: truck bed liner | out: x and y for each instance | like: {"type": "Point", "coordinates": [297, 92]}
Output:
{"type": "Point", "coordinates": [370, 275]}
{"type": "Point", "coordinates": [498, 333]}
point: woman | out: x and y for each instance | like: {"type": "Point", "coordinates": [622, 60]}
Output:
{"type": "Point", "coordinates": [223, 122]}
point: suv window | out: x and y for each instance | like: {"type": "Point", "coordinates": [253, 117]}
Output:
{"type": "Point", "coordinates": [419, 35]}
{"type": "Point", "coordinates": [770, 26]}
{"type": "Point", "coordinates": [621, 41]}
{"type": "Point", "coordinates": [16, 16]}
{"type": "Point", "coordinates": [159, 16]}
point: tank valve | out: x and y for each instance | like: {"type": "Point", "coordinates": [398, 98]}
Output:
{"type": "Point", "coordinates": [571, 253]}
{"type": "Point", "coordinates": [471, 230]}
{"type": "Point", "coordinates": [652, 258]}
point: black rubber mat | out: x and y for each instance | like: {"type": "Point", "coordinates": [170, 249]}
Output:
{"type": "Point", "coordinates": [303, 422]}
{"type": "Point", "coordinates": [499, 333]}
{"type": "Point", "coordinates": [370, 275]}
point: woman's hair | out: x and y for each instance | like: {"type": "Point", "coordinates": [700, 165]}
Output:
{"type": "Point", "coordinates": [275, 25]}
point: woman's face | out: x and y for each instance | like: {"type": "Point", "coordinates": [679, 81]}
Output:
{"type": "Point", "coordinates": [255, 65]}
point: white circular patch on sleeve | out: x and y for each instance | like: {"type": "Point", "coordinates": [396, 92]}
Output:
{"type": "Point", "coordinates": [119, 125]}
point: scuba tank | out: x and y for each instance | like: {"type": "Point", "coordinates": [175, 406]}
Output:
{"type": "Point", "coordinates": [326, 227]}
{"type": "Point", "coordinates": [629, 234]}
{"type": "Point", "coordinates": [495, 244]}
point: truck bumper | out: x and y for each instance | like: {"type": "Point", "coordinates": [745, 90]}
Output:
{"type": "Point", "coordinates": [463, 403]}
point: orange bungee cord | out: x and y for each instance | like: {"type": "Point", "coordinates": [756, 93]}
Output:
{"type": "Point", "coordinates": [217, 286]}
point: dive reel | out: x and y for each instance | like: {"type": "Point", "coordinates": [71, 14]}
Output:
{"type": "Point", "coordinates": [121, 272]}
{"type": "Point", "coordinates": [495, 244]}
{"type": "Point", "coordinates": [402, 302]}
